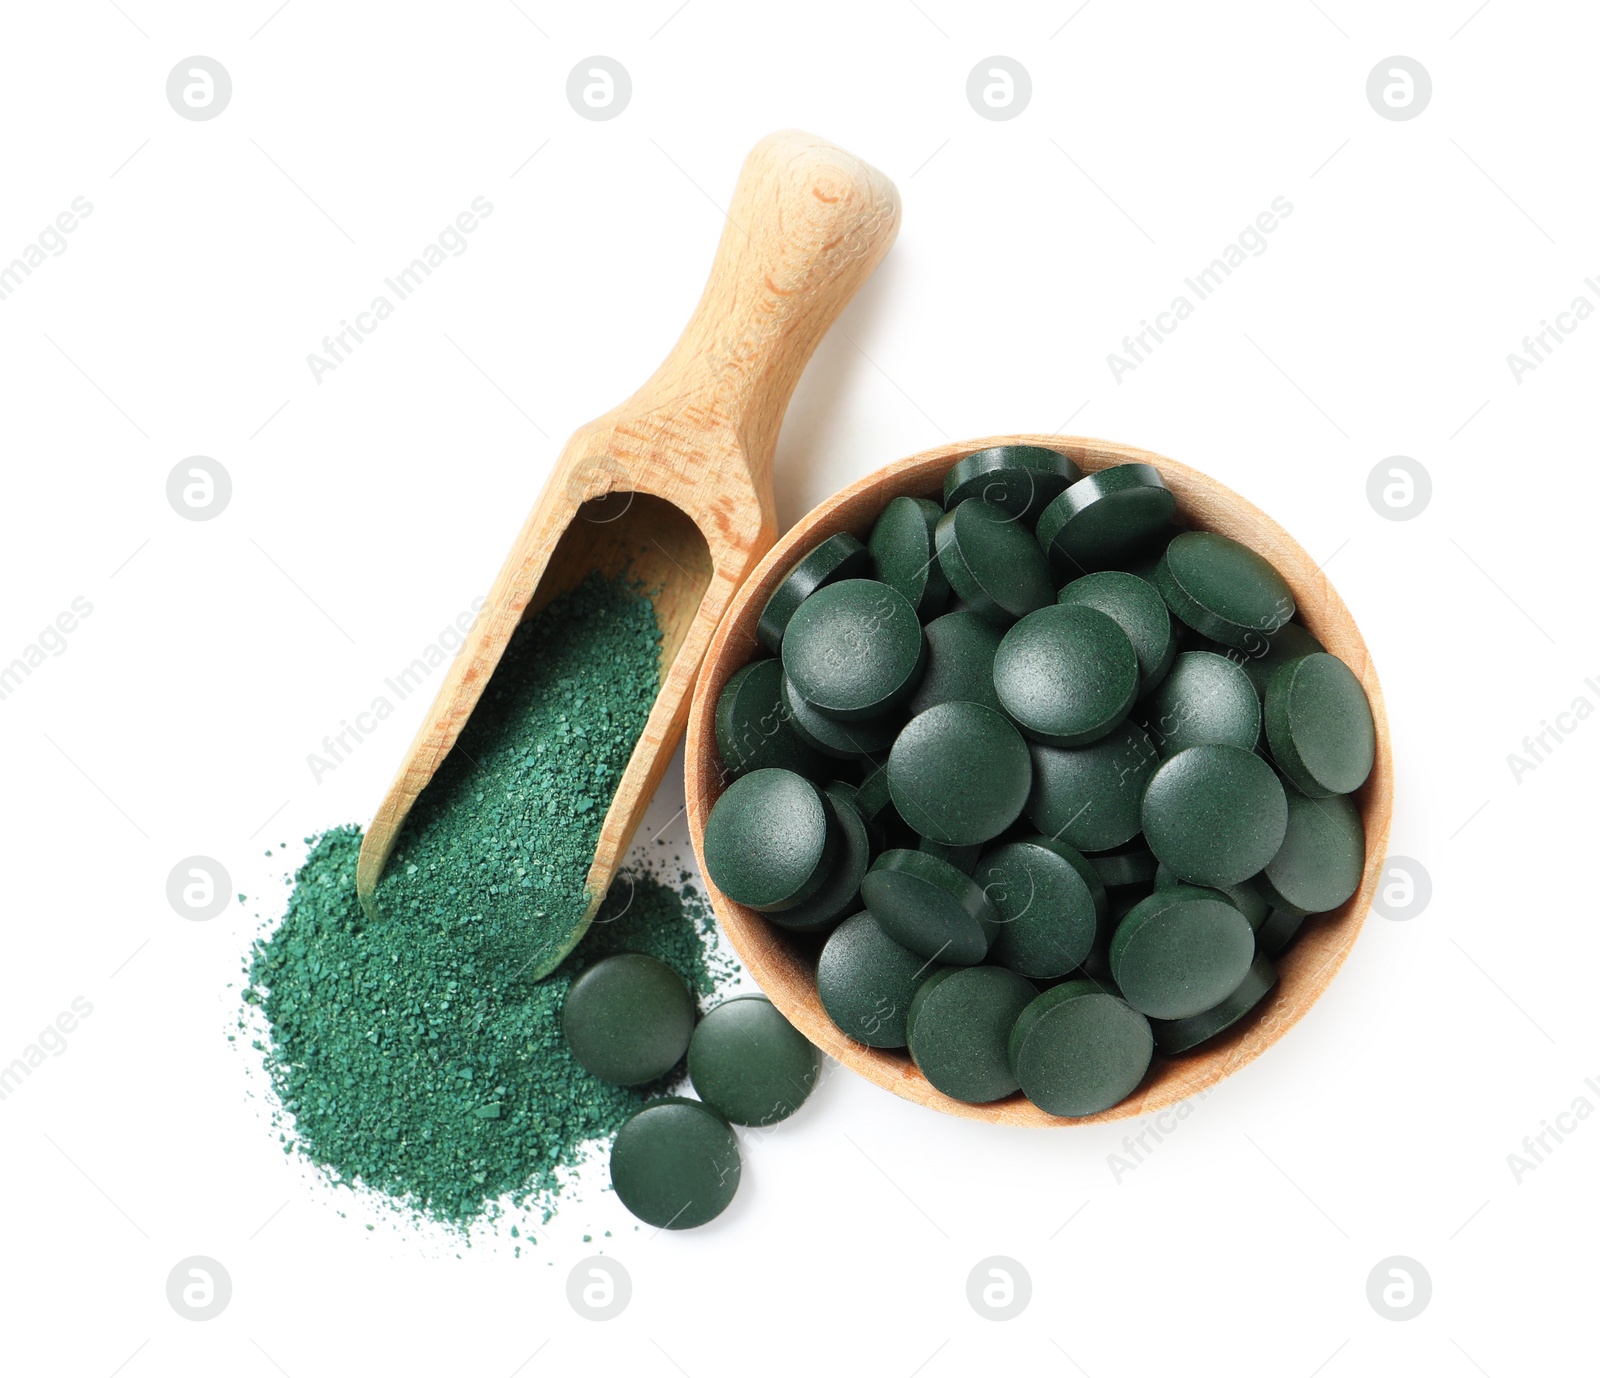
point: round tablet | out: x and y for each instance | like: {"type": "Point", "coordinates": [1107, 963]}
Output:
{"type": "Point", "coordinates": [1105, 517]}
{"type": "Point", "coordinates": [961, 647]}
{"type": "Point", "coordinates": [1319, 725]}
{"type": "Point", "coordinates": [840, 893]}
{"type": "Point", "coordinates": [903, 555]}
{"type": "Point", "coordinates": [929, 906]}
{"type": "Point", "coordinates": [1022, 479]}
{"type": "Point", "coordinates": [627, 1019]}
{"type": "Point", "coordinates": [675, 1164]}
{"type": "Point", "coordinates": [1067, 674]}
{"type": "Point", "coordinates": [1319, 865]}
{"type": "Point", "coordinates": [839, 557]}
{"type": "Point", "coordinates": [854, 650]}
{"type": "Point", "coordinates": [750, 1064]}
{"type": "Point", "coordinates": [753, 729]}
{"type": "Point", "coordinates": [1050, 902]}
{"type": "Point", "coordinates": [865, 981]}
{"type": "Point", "coordinates": [959, 773]}
{"type": "Point", "coordinates": [1278, 930]}
{"type": "Point", "coordinates": [1133, 865]}
{"type": "Point", "coordinates": [1263, 655]}
{"type": "Point", "coordinates": [1078, 1049]}
{"type": "Point", "coordinates": [1206, 698]}
{"type": "Point", "coordinates": [1179, 952]}
{"type": "Point", "coordinates": [992, 561]}
{"type": "Point", "coordinates": [1222, 589]}
{"type": "Point", "coordinates": [1214, 814]}
{"type": "Point", "coordinates": [1180, 1035]}
{"type": "Point", "coordinates": [1088, 796]}
{"type": "Point", "coordinates": [960, 1029]}
{"type": "Point", "coordinates": [1135, 606]}
{"type": "Point", "coordinates": [769, 841]}
{"type": "Point", "coordinates": [832, 737]}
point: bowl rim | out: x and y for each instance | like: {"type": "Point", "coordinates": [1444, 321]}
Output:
{"type": "Point", "coordinates": [779, 962]}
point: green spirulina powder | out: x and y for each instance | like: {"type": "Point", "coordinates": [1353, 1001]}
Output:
{"type": "Point", "coordinates": [415, 1053]}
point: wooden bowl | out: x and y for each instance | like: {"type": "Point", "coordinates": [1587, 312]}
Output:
{"type": "Point", "coordinates": [784, 964]}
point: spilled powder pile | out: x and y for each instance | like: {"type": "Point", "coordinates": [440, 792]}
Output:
{"type": "Point", "coordinates": [414, 1053]}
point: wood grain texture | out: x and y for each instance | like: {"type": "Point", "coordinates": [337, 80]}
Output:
{"type": "Point", "coordinates": [674, 485]}
{"type": "Point", "coordinates": [784, 965]}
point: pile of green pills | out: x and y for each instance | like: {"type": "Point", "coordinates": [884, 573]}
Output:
{"type": "Point", "coordinates": [630, 1020]}
{"type": "Point", "coordinates": [1051, 779]}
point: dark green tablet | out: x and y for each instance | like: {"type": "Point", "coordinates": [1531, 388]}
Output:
{"type": "Point", "coordinates": [930, 906]}
{"type": "Point", "coordinates": [750, 1064]}
{"type": "Point", "coordinates": [627, 1019]}
{"type": "Point", "coordinates": [1180, 952]}
{"type": "Point", "coordinates": [959, 773]}
{"type": "Point", "coordinates": [1214, 815]}
{"type": "Point", "coordinates": [1067, 674]}
{"type": "Point", "coordinates": [770, 842]}
{"type": "Point", "coordinates": [1077, 1049]}
{"type": "Point", "coordinates": [903, 554]}
{"type": "Point", "coordinates": [865, 980]}
{"type": "Point", "coordinates": [854, 650]}
{"type": "Point", "coordinates": [992, 561]}
{"type": "Point", "coordinates": [1319, 725]}
{"type": "Point", "coordinates": [675, 1164]}
{"type": "Point", "coordinates": [960, 1029]}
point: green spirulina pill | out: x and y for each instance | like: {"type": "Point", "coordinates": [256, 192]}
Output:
{"type": "Point", "coordinates": [1175, 1036]}
{"type": "Point", "coordinates": [840, 893]}
{"type": "Point", "coordinates": [675, 1164]}
{"type": "Point", "coordinates": [1066, 674]}
{"type": "Point", "coordinates": [839, 557]}
{"type": "Point", "coordinates": [865, 980]}
{"type": "Point", "coordinates": [1021, 479]}
{"type": "Point", "coordinates": [1319, 725]}
{"type": "Point", "coordinates": [1206, 698]}
{"type": "Point", "coordinates": [1089, 796]}
{"type": "Point", "coordinates": [1319, 865]}
{"type": "Point", "coordinates": [961, 648]}
{"type": "Point", "coordinates": [1050, 903]}
{"type": "Point", "coordinates": [959, 773]}
{"type": "Point", "coordinates": [627, 1019]}
{"type": "Point", "coordinates": [1137, 607]}
{"type": "Point", "coordinates": [1263, 655]}
{"type": "Point", "coordinates": [1215, 815]}
{"type": "Point", "coordinates": [750, 1064]}
{"type": "Point", "coordinates": [832, 737]}
{"type": "Point", "coordinates": [854, 649]}
{"type": "Point", "coordinates": [752, 726]}
{"type": "Point", "coordinates": [992, 562]}
{"type": "Point", "coordinates": [903, 554]}
{"type": "Point", "coordinates": [959, 1030]}
{"type": "Point", "coordinates": [930, 906]}
{"type": "Point", "coordinates": [1223, 589]}
{"type": "Point", "coordinates": [1180, 952]}
{"type": "Point", "coordinates": [1105, 517]}
{"type": "Point", "coordinates": [1077, 1049]}
{"type": "Point", "coordinates": [769, 841]}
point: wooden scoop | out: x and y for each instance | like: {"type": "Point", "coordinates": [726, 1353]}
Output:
{"type": "Point", "coordinates": [674, 487]}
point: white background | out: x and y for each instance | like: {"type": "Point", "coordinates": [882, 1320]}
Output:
{"type": "Point", "coordinates": [369, 509]}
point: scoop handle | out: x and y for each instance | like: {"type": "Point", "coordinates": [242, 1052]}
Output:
{"type": "Point", "coordinates": [808, 223]}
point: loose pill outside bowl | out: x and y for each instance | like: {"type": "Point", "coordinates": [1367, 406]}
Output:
{"type": "Point", "coordinates": [784, 963]}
